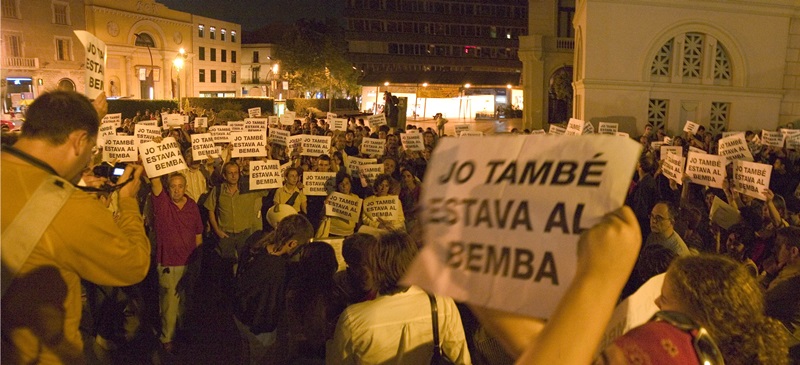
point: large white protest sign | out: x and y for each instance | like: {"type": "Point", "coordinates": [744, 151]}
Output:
{"type": "Point", "coordinates": [115, 118]}
{"type": "Point", "coordinates": [343, 206]}
{"type": "Point", "coordinates": [370, 171]}
{"type": "Point", "coordinates": [772, 138]}
{"type": "Point", "coordinates": [672, 167]}
{"type": "Point", "coordinates": [793, 142]}
{"type": "Point", "coordinates": [274, 120]}
{"type": "Point", "coordinates": [293, 143]}
{"type": "Point", "coordinates": [145, 133]}
{"type": "Point", "coordinates": [656, 145]}
{"type": "Point", "coordinates": [201, 122]}
{"type": "Point", "coordinates": [706, 169]}
{"type": "Point", "coordinates": [386, 208]}
{"type": "Point", "coordinates": [255, 124]}
{"type": "Point", "coordinates": [412, 141]}
{"type": "Point", "coordinates": [735, 148]}
{"type": "Point", "coordinates": [220, 133]}
{"type": "Point", "coordinates": [535, 131]}
{"type": "Point", "coordinates": [290, 114]}
{"type": "Point", "coordinates": [678, 150]}
{"type": "Point", "coordinates": [724, 214]}
{"type": "Point", "coordinates": [161, 158]}
{"type": "Point", "coordinates": [462, 127]}
{"type": "Point", "coordinates": [376, 121]}
{"type": "Point", "coordinates": [480, 134]}
{"type": "Point", "coordinates": [106, 130]}
{"type": "Point", "coordinates": [287, 119]}
{"type": "Point", "coordinates": [236, 126]}
{"type": "Point", "coordinates": [265, 175]}
{"type": "Point", "coordinates": [318, 183]}
{"type": "Point", "coordinates": [691, 127]}
{"type": "Point", "coordinates": [95, 63]}
{"type": "Point", "coordinates": [248, 144]}
{"type": "Point", "coordinates": [173, 120]}
{"type": "Point", "coordinates": [338, 124]}
{"type": "Point", "coordinates": [373, 146]}
{"type": "Point", "coordinates": [732, 133]}
{"type": "Point", "coordinates": [751, 178]}
{"type": "Point", "coordinates": [608, 128]}
{"type": "Point", "coordinates": [501, 228]}
{"type": "Point", "coordinates": [557, 130]}
{"type": "Point", "coordinates": [120, 148]}
{"type": "Point", "coordinates": [634, 311]}
{"type": "Point", "coordinates": [203, 147]}
{"type": "Point", "coordinates": [352, 164]}
{"type": "Point", "coordinates": [278, 136]}
{"type": "Point", "coordinates": [254, 112]}
{"type": "Point", "coordinates": [316, 145]}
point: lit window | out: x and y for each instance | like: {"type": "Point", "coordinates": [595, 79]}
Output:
{"type": "Point", "coordinates": [200, 30]}
{"type": "Point", "coordinates": [212, 32]}
{"type": "Point", "coordinates": [222, 34]}
{"type": "Point", "coordinates": [202, 75]}
{"type": "Point", "coordinates": [233, 36]}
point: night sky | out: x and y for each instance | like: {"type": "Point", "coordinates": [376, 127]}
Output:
{"type": "Point", "coordinates": [253, 14]}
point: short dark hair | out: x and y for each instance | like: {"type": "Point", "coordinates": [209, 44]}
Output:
{"type": "Point", "coordinates": [791, 235]}
{"type": "Point", "coordinates": [324, 157]}
{"type": "Point", "coordinates": [56, 114]}
{"type": "Point", "coordinates": [671, 208]}
{"type": "Point", "coordinates": [293, 227]}
{"type": "Point", "coordinates": [395, 254]}
{"type": "Point", "coordinates": [381, 178]}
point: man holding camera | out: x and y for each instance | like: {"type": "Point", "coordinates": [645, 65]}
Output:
{"type": "Point", "coordinates": [41, 297]}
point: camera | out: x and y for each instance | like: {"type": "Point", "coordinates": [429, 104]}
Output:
{"type": "Point", "coordinates": [109, 171]}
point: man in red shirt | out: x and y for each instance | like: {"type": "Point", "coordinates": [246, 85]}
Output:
{"type": "Point", "coordinates": [179, 231]}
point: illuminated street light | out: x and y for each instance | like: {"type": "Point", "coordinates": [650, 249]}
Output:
{"type": "Point", "coordinates": [424, 84]}
{"type": "Point", "coordinates": [386, 83]}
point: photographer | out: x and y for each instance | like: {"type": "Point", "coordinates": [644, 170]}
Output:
{"type": "Point", "coordinates": [41, 298]}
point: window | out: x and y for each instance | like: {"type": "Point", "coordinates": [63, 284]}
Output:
{"type": "Point", "coordinates": [233, 76]}
{"type": "Point", "coordinates": [256, 74]}
{"type": "Point", "coordinates": [233, 36]}
{"type": "Point", "coordinates": [201, 54]}
{"type": "Point", "coordinates": [223, 76]}
{"type": "Point", "coordinates": [658, 113]}
{"type": "Point", "coordinates": [63, 49]}
{"type": "Point", "coordinates": [662, 61]}
{"type": "Point", "coordinates": [213, 54]}
{"type": "Point", "coordinates": [200, 30]}
{"type": "Point", "coordinates": [255, 56]}
{"type": "Point", "coordinates": [722, 66]}
{"type": "Point", "coordinates": [233, 56]}
{"type": "Point", "coordinates": [60, 13]}
{"type": "Point", "coordinates": [224, 55]}
{"type": "Point", "coordinates": [213, 75]}
{"type": "Point", "coordinates": [720, 112]}
{"type": "Point", "coordinates": [565, 16]}
{"type": "Point", "coordinates": [700, 59]}
{"type": "Point", "coordinates": [202, 75]}
{"type": "Point", "coordinates": [13, 45]}
{"type": "Point", "coordinates": [10, 9]}
{"type": "Point", "coordinates": [211, 32]}
{"type": "Point", "coordinates": [222, 34]}
{"type": "Point", "coordinates": [692, 55]}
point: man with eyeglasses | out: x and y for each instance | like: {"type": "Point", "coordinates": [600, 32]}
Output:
{"type": "Point", "coordinates": [662, 229]}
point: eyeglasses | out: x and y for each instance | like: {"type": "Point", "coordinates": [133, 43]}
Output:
{"type": "Point", "coordinates": [705, 348]}
{"type": "Point", "coordinates": [657, 219]}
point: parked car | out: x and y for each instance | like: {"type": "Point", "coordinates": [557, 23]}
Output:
{"type": "Point", "coordinates": [9, 123]}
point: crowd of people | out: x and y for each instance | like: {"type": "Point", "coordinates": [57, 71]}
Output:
{"type": "Point", "coordinates": [240, 275]}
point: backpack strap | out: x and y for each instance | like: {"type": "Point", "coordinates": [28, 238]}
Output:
{"type": "Point", "coordinates": [28, 227]}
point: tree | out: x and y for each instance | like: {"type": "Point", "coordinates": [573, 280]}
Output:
{"type": "Point", "coordinates": [313, 59]}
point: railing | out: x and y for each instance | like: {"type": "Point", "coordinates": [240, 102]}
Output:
{"type": "Point", "coordinates": [21, 62]}
{"type": "Point", "coordinates": [565, 43]}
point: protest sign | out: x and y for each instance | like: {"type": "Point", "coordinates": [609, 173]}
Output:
{"type": "Point", "coordinates": [678, 150]}
{"type": "Point", "coordinates": [95, 63]}
{"type": "Point", "coordinates": [634, 311]}
{"type": "Point", "coordinates": [772, 138]}
{"type": "Point", "coordinates": [338, 124]}
{"type": "Point", "coordinates": [278, 136]}
{"type": "Point", "coordinates": [373, 146]}
{"type": "Point", "coordinates": [201, 122]}
{"type": "Point", "coordinates": [697, 150]}
{"type": "Point", "coordinates": [724, 214]}
{"type": "Point", "coordinates": [705, 169]}
{"type": "Point", "coordinates": [789, 132]}
{"type": "Point", "coordinates": [538, 131]}
{"type": "Point", "coordinates": [318, 183]}
{"type": "Point", "coordinates": [656, 145]}
{"type": "Point", "coordinates": [248, 144]}
{"type": "Point", "coordinates": [265, 175]}
{"type": "Point", "coordinates": [386, 207]}
{"type": "Point", "coordinates": [173, 120]}
{"type": "Point", "coordinates": [376, 121]}
{"type": "Point", "coordinates": [352, 164]}
{"type": "Point", "coordinates": [290, 114]}
{"type": "Point", "coordinates": [370, 171]}
{"type": "Point", "coordinates": [145, 133]}
{"type": "Point", "coordinates": [575, 127]}
{"type": "Point", "coordinates": [330, 116]}
{"type": "Point", "coordinates": [287, 119]}
{"type": "Point", "coordinates": [161, 158]}
{"type": "Point", "coordinates": [480, 134]}
{"type": "Point", "coordinates": [254, 112]}
{"type": "Point", "coordinates": [588, 128]}
{"type": "Point", "coordinates": [554, 129]}
{"type": "Point", "coordinates": [462, 127]}
{"type": "Point", "coordinates": [751, 178]}
{"type": "Point", "coordinates": [735, 148]}
{"type": "Point", "coordinates": [501, 228]}
{"type": "Point", "coordinates": [273, 120]}
{"type": "Point", "coordinates": [609, 128]}
{"type": "Point", "coordinates": [255, 124]}
{"type": "Point", "coordinates": [793, 142]}
{"type": "Point", "coordinates": [293, 143]}
{"type": "Point", "coordinates": [412, 141]}
{"type": "Point", "coordinates": [728, 134]}
{"type": "Point", "coordinates": [316, 145]}
{"type": "Point", "coordinates": [623, 134]}
{"type": "Point", "coordinates": [106, 130]}
{"type": "Point", "coordinates": [236, 126]}
{"type": "Point", "coordinates": [672, 168]}
{"type": "Point", "coordinates": [284, 167]}
{"type": "Point", "coordinates": [691, 127]}
{"type": "Point", "coordinates": [344, 206]}
{"type": "Point", "coordinates": [120, 148]}
{"type": "Point", "coordinates": [220, 133]}
{"type": "Point", "coordinates": [153, 123]}
{"type": "Point", "coordinates": [203, 147]}
{"type": "Point", "coordinates": [115, 118]}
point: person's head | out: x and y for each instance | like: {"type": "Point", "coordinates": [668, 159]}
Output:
{"type": "Point", "coordinates": [382, 184]}
{"type": "Point", "coordinates": [647, 164]}
{"type": "Point", "coordinates": [653, 260]}
{"type": "Point", "coordinates": [176, 185]}
{"type": "Point", "coordinates": [343, 182]}
{"type": "Point", "coordinates": [349, 136]}
{"type": "Point", "coordinates": [409, 180]}
{"type": "Point", "coordinates": [230, 172]}
{"type": "Point", "coordinates": [317, 261]}
{"type": "Point", "coordinates": [662, 218]}
{"type": "Point", "coordinates": [389, 165]}
{"type": "Point", "coordinates": [324, 163]}
{"type": "Point", "coordinates": [360, 251]}
{"type": "Point", "coordinates": [292, 176]}
{"type": "Point", "coordinates": [68, 120]}
{"type": "Point", "coordinates": [787, 246]}
{"type": "Point", "coordinates": [291, 233]}
{"type": "Point", "coordinates": [187, 156]}
{"type": "Point", "coordinates": [740, 240]}
{"type": "Point", "coordinates": [336, 158]}
{"type": "Point", "coordinates": [395, 254]}
{"type": "Point", "coordinates": [381, 134]}
{"type": "Point", "coordinates": [341, 142]}
{"type": "Point", "coordinates": [428, 138]}
{"type": "Point", "coordinates": [648, 129]}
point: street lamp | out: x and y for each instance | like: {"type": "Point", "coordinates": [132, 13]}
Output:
{"type": "Point", "coordinates": [178, 62]}
{"type": "Point", "coordinates": [150, 83]}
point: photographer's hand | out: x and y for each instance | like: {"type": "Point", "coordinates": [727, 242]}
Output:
{"type": "Point", "coordinates": [131, 189]}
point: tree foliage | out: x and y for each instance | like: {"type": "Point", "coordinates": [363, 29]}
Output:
{"type": "Point", "coordinates": [313, 59]}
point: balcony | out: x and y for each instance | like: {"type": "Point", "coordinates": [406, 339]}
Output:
{"type": "Point", "coordinates": [21, 63]}
{"type": "Point", "coordinates": [565, 44]}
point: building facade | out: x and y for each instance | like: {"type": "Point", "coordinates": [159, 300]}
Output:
{"type": "Point", "coordinates": [459, 58]}
{"type": "Point", "coordinates": [217, 46]}
{"type": "Point", "coordinates": [261, 71]}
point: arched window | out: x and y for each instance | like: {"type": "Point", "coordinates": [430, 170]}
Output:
{"type": "Point", "coordinates": [66, 85]}
{"type": "Point", "coordinates": [144, 40]}
{"type": "Point", "coordinates": [682, 59]}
